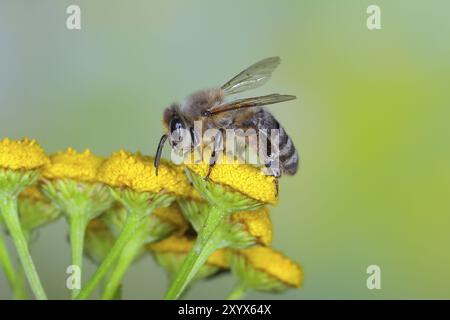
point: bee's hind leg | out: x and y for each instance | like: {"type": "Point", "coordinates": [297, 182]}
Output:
{"type": "Point", "coordinates": [277, 184]}
{"type": "Point", "coordinates": [272, 166]}
{"type": "Point", "coordinates": [275, 173]}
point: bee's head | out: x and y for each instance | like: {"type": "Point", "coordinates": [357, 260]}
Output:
{"type": "Point", "coordinates": [175, 126]}
{"type": "Point", "coordinates": [176, 132]}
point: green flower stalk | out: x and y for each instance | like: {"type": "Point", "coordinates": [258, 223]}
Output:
{"type": "Point", "coordinates": [139, 206]}
{"type": "Point", "coordinates": [70, 183]}
{"type": "Point", "coordinates": [170, 253]}
{"type": "Point", "coordinates": [6, 263]}
{"type": "Point", "coordinates": [13, 276]}
{"type": "Point", "coordinates": [134, 184]}
{"type": "Point", "coordinates": [231, 188]}
{"type": "Point", "coordinates": [263, 269]}
{"type": "Point", "coordinates": [20, 164]}
{"type": "Point", "coordinates": [34, 212]}
{"type": "Point", "coordinates": [155, 227]}
{"type": "Point", "coordinates": [98, 243]}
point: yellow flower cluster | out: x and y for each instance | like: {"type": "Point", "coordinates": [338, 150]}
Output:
{"type": "Point", "coordinates": [73, 165]}
{"type": "Point", "coordinates": [173, 216]}
{"type": "Point", "coordinates": [22, 155]}
{"type": "Point", "coordinates": [244, 178]}
{"type": "Point", "coordinates": [257, 223]}
{"type": "Point", "coordinates": [275, 264]}
{"type": "Point", "coordinates": [135, 171]}
{"type": "Point", "coordinates": [263, 259]}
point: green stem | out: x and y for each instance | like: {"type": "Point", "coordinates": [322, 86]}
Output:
{"type": "Point", "coordinates": [10, 216]}
{"type": "Point", "coordinates": [238, 292]}
{"type": "Point", "coordinates": [13, 276]}
{"type": "Point", "coordinates": [20, 292]}
{"type": "Point", "coordinates": [6, 262]}
{"type": "Point", "coordinates": [204, 246]}
{"type": "Point", "coordinates": [131, 224]}
{"type": "Point", "coordinates": [127, 256]}
{"type": "Point", "coordinates": [77, 230]}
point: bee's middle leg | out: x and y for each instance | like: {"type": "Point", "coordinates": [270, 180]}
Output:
{"type": "Point", "coordinates": [214, 155]}
{"type": "Point", "coordinates": [212, 163]}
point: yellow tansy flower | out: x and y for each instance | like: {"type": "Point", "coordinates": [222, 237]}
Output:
{"type": "Point", "coordinates": [137, 172]}
{"type": "Point", "coordinates": [32, 192]}
{"type": "Point", "coordinates": [70, 182]}
{"type": "Point", "coordinates": [98, 240]}
{"type": "Point", "coordinates": [73, 165]}
{"type": "Point", "coordinates": [274, 264]}
{"type": "Point", "coordinates": [24, 154]}
{"type": "Point", "coordinates": [257, 223]}
{"type": "Point", "coordinates": [244, 178]}
{"type": "Point", "coordinates": [175, 244]}
{"type": "Point", "coordinates": [173, 216]}
{"type": "Point", "coordinates": [20, 162]}
{"type": "Point", "coordinates": [182, 245]}
{"type": "Point", "coordinates": [219, 259]}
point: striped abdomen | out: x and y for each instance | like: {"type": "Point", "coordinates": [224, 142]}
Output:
{"type": "Point", "coordinates": [288, 155]}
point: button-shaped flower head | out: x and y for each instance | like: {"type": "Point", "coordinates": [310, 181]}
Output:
{"type": "Point", "coordinates": [264, 269]}
{"type": "Point", "coordinates": [137, 172]}
{"type": "Point", "coordinates": [23, 154]}
{"type": "Point", "coordinates": [246, 179]}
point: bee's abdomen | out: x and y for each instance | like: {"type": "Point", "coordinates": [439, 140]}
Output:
{"type": "Point", "coordinates": [288, 155]}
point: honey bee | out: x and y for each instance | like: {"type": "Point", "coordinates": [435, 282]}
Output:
{"type": "Point", "coordinates": [213, 109]}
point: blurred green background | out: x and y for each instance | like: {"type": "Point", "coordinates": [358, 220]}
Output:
{"type": "Point", "coordinates": [371, 122]}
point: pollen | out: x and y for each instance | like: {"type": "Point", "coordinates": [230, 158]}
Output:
{"type": "Point", "coordinates": [72, 165]}
{"type": "Point", "coordinates": [182, 245]}
{"type": "Point", "coordinates": [21, 154]}
{"type": "Point", "coordinates": [244, 178]}
{"type": "Point", "coordinates": [137, 172]}
{"type": "Point", "coordinates": [257, 223]}
{"type": "Point", "coordinates": [275, 264]}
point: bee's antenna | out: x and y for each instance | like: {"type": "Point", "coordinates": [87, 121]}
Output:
{"type": "Point", "coordinates": [159, 152]}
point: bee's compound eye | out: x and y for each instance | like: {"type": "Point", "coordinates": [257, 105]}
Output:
{"type": "Point", "coordinates": [176, 128]}
{"type": "Point", "coordinates": [176, 125]}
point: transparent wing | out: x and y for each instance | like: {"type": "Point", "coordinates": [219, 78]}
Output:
{"type": "Point", "coordinates": [248, 103]}
{"type": "Point", "coordinates": [252, 77]}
